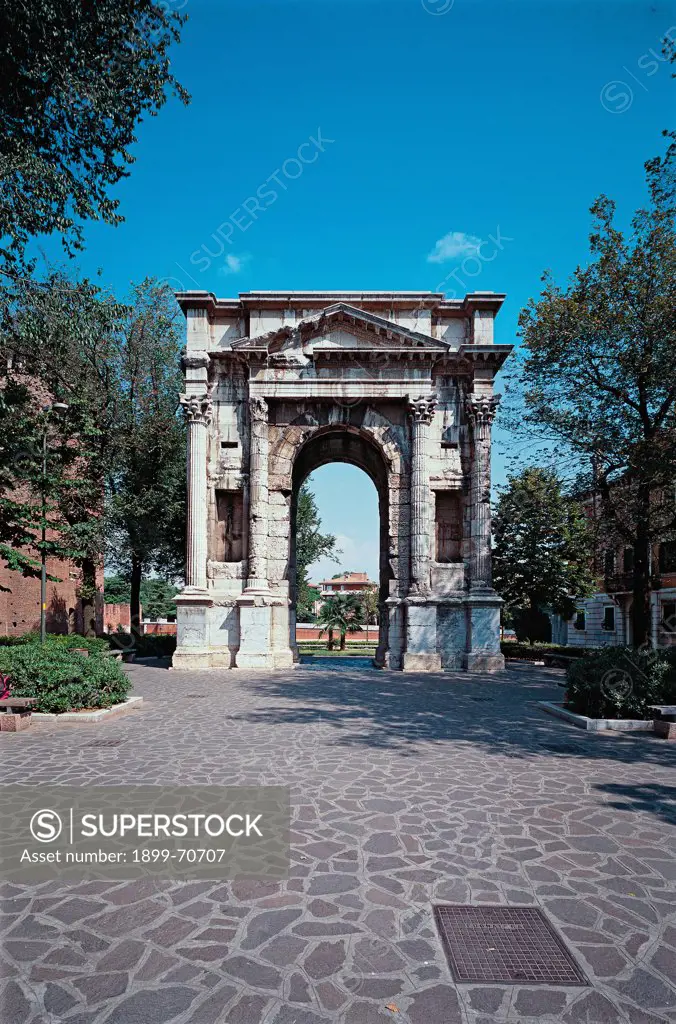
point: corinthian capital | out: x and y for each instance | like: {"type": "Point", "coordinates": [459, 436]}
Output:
{"type": "Point", "coordinates": [421, 410]}
{"type": "Point", "coordinates": [197, 408]}
{"type": "Point", "coordinates": [481, 409]}
{"type": "Point", "coordinates": [258, 408]}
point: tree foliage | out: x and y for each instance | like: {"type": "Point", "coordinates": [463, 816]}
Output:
{"type": "Point", "coordinates": [542, 546]}
{"type": "Point", "coordinates": [311, 545]}
{"type": "Point", "coordinates": [75, 81]}
{"type": "Point", "coordinates": [146, 485]}
{"type": "Point", "coordinates": [117, 458]}
{"type": "Point", "coordinates": [157, 595]}
{"type": "Point", "coordinates": [342, 613]}
{"type": "Point", "coordinates": [599, 376]}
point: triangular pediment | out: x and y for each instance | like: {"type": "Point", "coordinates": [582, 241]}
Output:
{"type": "Point", "coordinates": [340, 328]}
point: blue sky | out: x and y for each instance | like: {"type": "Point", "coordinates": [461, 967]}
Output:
{"type": "Point", "coordinates": [460, 118]}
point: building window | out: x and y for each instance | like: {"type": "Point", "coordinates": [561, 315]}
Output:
{"type": "Point", "coordinates": [667, 557]}
{"type": "Point", "coordinates": [669, 616]}
{"type": "Point", "coordinates": [609, 561]}
{"type": "Point", "coordinates": [628, 559]}
{"type": "Point", "coordinates": [580, 620]}
{"type": "Point", "coordinates": [609, 618]}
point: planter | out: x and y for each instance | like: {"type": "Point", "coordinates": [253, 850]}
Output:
{"type": "Point", "coordinates": [90, 716]}
{"type": "Point", "coordinates": [596, 724]}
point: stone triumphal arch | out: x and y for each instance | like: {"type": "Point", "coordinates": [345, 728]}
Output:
{"type": "Point", "coordinates": [399, 384]}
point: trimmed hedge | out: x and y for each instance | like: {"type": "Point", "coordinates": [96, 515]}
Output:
{"type": "Point", "coordinates": [61, 679]}
{"type": "Point", "coordinates": [620, 682]}
{"type": "Point", "coordinates": [62, 641]}
{"type": "Point", "coordinates": [536, 652]}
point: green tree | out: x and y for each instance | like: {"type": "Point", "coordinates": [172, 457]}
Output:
{"type": "Point", "coordinates": [599, 376]}
{"type": "Point", "coordinates": [311, 545]}
{"type": "Point", "coordinates": [157, 595]}
{"type": "Point", "coordinates": [158, 598]}
{"type": "Point", "coordinates": [75, 81]}
{"type": "Point", "coordinates": [370, 605]}
{"type": "Point", "coordinates": [342, 613]}
{"type": "Point", "coordinates": [118, 469]}
{"type": "Point", "coordinates": [116, 589]}
{"type": "Point", "coordinates": [59, 341]}
{"type": "Point", "coordinates": [542, 548]}
{"type": "Point", "coordinates": [145, 488]}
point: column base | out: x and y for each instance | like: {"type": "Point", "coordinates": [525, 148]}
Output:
{"type": "Point", "coordinates": [192, 615]}
{"type": "Point", "coordinates": [193, 661]}
{"type": "Point", "coordinates": [484, 663]}
{"type": "Point", "coordinates": [422, 662]}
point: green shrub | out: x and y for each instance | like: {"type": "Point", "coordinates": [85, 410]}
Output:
{"type": "Point", "coordinates": [62, 680]}
{"type": "Point", "coordinates": [154, 645]}
{"type": "Point", "coordinates": [536, 652]}
{"type": "Point", "coordinates": [620, 682]}
{"type": "Point", "coordinates": [67, 641]}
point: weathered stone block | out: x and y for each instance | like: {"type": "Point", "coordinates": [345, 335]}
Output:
{"type": "Point", "coordinates": [16, 722]}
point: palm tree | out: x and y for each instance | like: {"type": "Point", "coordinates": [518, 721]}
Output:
{"type": "Point", "coordinates": [369, 602]}
{"type": "Point", "coordinates": [342, 613]}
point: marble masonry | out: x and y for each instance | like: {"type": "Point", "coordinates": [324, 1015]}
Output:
{"type": "Point", "coordinates": [399, 384]}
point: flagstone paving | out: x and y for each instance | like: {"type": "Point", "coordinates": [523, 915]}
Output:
{"type": "Point", "coordinates": [406, 790]}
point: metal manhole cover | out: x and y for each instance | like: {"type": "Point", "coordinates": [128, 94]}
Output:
{"type": "Point", "coordinates": [104, 743]}
{"type": "Point", "coordinates": [512, 945]}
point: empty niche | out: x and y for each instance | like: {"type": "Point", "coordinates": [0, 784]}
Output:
{"type": "Point", "coordinates": [448, 527]}
{"type": "Point", "coordinates": [229, 534]}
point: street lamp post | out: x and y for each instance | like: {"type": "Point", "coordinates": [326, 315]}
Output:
{"type": "Point", "coordinates": [59, 407]}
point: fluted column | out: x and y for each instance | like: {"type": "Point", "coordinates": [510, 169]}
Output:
{"type": "Point", "coordinates": [481, 410]}
{"type": "Point", "coordinates": [258, 495]}
{"type": "Point", "coordinates": [197, 409]}
{"type": "Point", "coordinates": [421, 411]}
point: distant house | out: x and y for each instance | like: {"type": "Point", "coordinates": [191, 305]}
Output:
{"type": "Point", "coordinates": [347, 583]}
{"type": "Point", "coordinates": [604, 619]}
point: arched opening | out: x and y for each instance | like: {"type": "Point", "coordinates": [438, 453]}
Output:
{"type": "Point", "coordinates": [347, 445]}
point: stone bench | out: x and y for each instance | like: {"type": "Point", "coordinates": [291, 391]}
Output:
{"type": "Point", "coordinates": [15, 713]}
{"type": "Point", "coordinates": [664, 722]}
{"type": "Point", "coordinates": [128, 654]}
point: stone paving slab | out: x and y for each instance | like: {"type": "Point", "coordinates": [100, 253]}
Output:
{"type": "Point", "coordinates": [406, 790]}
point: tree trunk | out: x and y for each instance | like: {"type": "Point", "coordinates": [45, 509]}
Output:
{"type": "Point", "coordinates": [135, 599]}
{"type": "Point", "coordinates": [342, 639]}
{"type": "Point", "coordinates": [640, 610]}
{"type": "Point", "coordinates": [89, 592]}
{"type": "Point", "coordinates": [330, 639]}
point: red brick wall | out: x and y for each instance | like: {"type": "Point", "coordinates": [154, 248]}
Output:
{"type": "Point", "coordinates": [20, 602]}
{"type": "Point", "coordinates": [312, 633]}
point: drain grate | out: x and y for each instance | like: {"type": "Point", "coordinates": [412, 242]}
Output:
{"type": "Point", "coordinates": [512, 945]}
{"type": "Point", "coordinates": [104, 743]}
{"type": "Point", "coordinates": [195, 696]}
{"type": "Point", "coordinates": [481, 700]}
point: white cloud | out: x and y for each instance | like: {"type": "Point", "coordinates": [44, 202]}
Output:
{"type": "Point", "coordinates": [357, 556]}
{"type": "Point", "coordinates": [452, 245]}
{"type": "Point", "coordinates": [234, 264]}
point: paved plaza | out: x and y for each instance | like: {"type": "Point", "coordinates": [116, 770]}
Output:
{"type": "Point", "coordinates": [406, 791]}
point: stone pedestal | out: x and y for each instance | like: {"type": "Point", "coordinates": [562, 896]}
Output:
{"type": "Point", "coordinates": [255, 631]}
{"type": "Point", "coordinates": [483, 634]}
{"type": "Point", "coordinates": [193, 648]}
{"type": "Point", "coordinates": [421, 637]}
